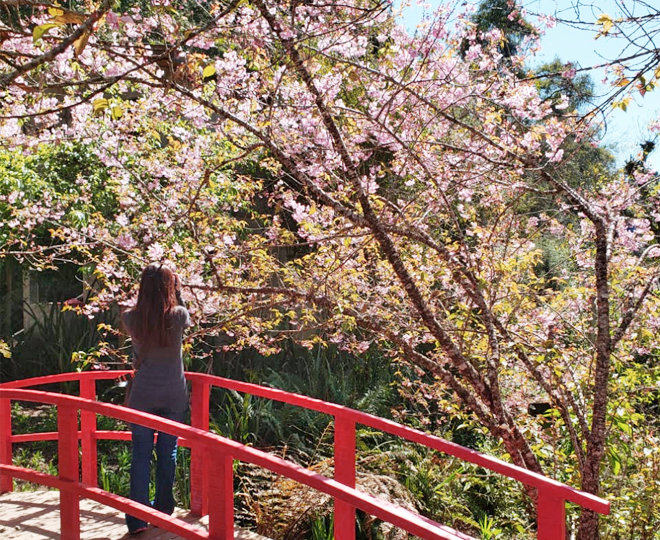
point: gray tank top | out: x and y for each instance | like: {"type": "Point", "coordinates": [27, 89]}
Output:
{"type": "Point", "coordinates": [159, 383]}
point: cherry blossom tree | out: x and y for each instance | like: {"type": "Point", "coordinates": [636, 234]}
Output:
{"type": "Point", "coordinates": [630, 29]}
{"type": "Point", "coordinates": [315, 171]}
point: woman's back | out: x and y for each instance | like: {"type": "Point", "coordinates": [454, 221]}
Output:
{"type": "Point", "coordinates": [159, 382]}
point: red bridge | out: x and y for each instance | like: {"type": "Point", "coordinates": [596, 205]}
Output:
{"type": "Point", "coordinates": [212, 456]}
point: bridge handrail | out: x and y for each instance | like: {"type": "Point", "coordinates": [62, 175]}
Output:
{"type": "Point", "coordinates": [229, 450]}
{"type": "Point", "coordinates": [551, 493]}
{"type": "Point", "coordinates": [67, 487]}
{"type": "Point", "coordinates": [520, 474]}
{"type": "Point", "coordinates": [525, 476]}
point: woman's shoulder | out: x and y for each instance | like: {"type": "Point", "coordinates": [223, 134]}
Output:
{"type": "Point", "coordinates": [180, 316]}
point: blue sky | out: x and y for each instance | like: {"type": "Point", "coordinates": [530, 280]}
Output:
{"type": "Point", "coordinates": [625, 130]}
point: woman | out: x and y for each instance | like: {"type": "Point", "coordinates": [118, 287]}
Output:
{"type": "Point", "coordinates": [156, 325]}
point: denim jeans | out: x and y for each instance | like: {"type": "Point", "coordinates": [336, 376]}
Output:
{"type": "Point", "coordinates": [143, 446]}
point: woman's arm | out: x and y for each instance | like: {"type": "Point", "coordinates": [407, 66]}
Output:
{"type": "Point", "coordinates": [177, 290]}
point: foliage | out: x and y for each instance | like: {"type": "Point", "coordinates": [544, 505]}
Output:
{"type": "Point", "coordinates": [57, 342]}
{"type": "Point", "coordinates": [114, 470]}
{"type": "Point", "coordinates": [53, 186]}
{"type": "Point", "coordinates": [487, 529]}
{"type": "Point", "coordinates": [506, 17]}
{"type": "Point", "coordinates": [363, 382]}
{"type": "Point", "coordinates": [34, 460]}
{"type": "Point", "coordinates": [558, 81]}
{"type": "Point", "coordinates": [323, 528]}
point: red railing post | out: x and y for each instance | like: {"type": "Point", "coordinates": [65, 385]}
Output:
{"type": "Point", "coordinates": [67, 426]}
{"type": "Point", "coordinates": [88, 440]}
{"type": "Point", "coordinates": [199, 467]}
{"type": "Point", "coordinates": [221, 497]}
{"type": "Point", "coordinates": [6, 481]}
{"type": "Point", "coordinates": [551, 516]}
{"type": "Point", "coordinates": [344, 473]}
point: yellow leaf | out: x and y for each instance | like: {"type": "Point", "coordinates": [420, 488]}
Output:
{"type": "Point", "coordinates": [208, 72]}
{"type": "Point", "coordinates": [40, 31]}
{"type": "Point", "coordinates": [70, 17]}
{"type": "Point", "coordinates": [57, 233]}
{"type": "Point", "coordinates": [100, 104]}
{"type": "Point", "coordinates": [4, 350]}
{"type": "Point", "coordinates": [80, 44]}
{"type": "Point", "coordinates": [622, 104]}
{"type": "Point", "coordinates": [117, 112]}
{"type": "Point", "coordinates": [606, 22]}
{"type": "Point", "coordinates": [55, 12]}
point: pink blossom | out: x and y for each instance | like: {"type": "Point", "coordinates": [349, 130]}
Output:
{"type": "Point", "coordinates": [126, 241]}
{"type": "Point", "coordinates": [155, 252]}
{"type": "Point", "coordinates": [473, 53]}
{"type": "Point", "coordinates": [556, 156]}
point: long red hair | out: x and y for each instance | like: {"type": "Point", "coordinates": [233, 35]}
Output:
{"type": "Point", "coordinates": [156, 299]}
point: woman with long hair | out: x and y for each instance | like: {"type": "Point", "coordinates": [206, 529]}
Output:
{"type": "Point", "coordinates": [156, 326]}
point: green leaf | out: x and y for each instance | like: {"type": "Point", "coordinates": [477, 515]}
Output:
{"type": "Point", "coordinates": [40, 31]}
{"type": "Point", "coordinates": [623, 426]}
{"type": "Point", "coordinates": [78, 217]}
{"type": "Point", "coordinates": [615, 460]}
{"type": "Point", "coordinates": [622, 104]}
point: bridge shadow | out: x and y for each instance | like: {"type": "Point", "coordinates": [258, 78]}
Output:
{"type": "Point", "coordinates": [35, 515]}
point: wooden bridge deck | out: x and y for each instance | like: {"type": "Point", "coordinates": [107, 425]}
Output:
{"type": "Point", "coordinates": [35, 515]}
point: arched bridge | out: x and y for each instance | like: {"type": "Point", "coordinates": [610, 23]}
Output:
{"type": "Point", "coordinates": [212, 457]}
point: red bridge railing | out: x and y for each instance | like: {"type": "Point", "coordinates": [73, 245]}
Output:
{"type": "Point", "coordinates": [211, 475]}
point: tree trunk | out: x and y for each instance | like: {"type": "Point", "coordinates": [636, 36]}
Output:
{"type": "Point", "coordinates": [9, 296]}
{"type": "Point", "coordinates": [588, 529]}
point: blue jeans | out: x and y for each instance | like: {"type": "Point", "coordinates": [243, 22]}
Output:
{"type": "Point", "coordinates": [143, 446]}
